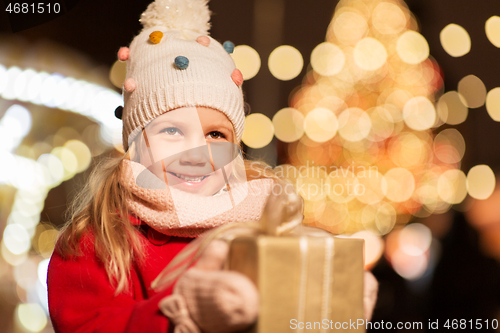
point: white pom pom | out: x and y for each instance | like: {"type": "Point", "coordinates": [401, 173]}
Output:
{"type": "Point", "coordinates": [178, 14]}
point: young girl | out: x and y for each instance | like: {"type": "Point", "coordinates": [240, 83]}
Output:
{"type": "Point", "coordinates": [182, 174]}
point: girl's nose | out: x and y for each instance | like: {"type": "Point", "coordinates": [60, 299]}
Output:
{"type": "Point", "coordinates": [198, 156]}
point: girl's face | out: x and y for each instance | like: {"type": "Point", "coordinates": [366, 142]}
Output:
{"type": "Point", "coordinates": [190, 149]}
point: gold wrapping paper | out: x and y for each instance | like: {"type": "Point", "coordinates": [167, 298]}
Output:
{"type": "Point", "coordinates": [306, 284]}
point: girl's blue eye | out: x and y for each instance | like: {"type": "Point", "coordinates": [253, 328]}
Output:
{"type": "Point", "coordinates": [216, 135]}
{"type": "Point", "coordinates": [171, 130]}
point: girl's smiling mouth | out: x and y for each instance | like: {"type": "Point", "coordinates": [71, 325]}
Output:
{"type": "Point", "coordinates": [189, 179]}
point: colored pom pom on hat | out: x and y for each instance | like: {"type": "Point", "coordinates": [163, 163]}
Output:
{"type": "Point", "coordinates": [155, 37]}
{"type": "Point", "coordinates": [203, 40]}
{"type": "Point", "coordinates": [228, 46]}
{"type": "Point", "coordinates": [123, 53]}
{"type": "Point", "coordinates": [181, 62]}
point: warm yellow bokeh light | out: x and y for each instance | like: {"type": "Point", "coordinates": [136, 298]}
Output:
{"type": "Point", "coordinates": [370, 54]}
{"type": "Point", "coordinates": [310, 183]}
{"type": "Point", "coordinates": [354, 124]}
{"type": "Point", "coordinates": [288, 125]}
{"type": "Point", "coordinates": [452, 186]}
{"type": "Point", "coordinates": [480, 182]}
{"type": "Point", "coordinates": [259, 131]}
{"type": "Point", "coordinates": [327, 59]}
{"type": "Point", "coordinates": [382, 124]}
{"type": "Point", "coordinates": [349, 27]}
{"type": "Point", "coordinates": [374, 246]}
{"type": "Point", "coordinates": [340, 185]}
{"type": "Point", "coordinates": [82, 154]}
{"type": "Point", "coordinates": [412, 47]}
{"type": "Point", "coordinates": [31, 316]}
{"type": "Point", "coordinates": [398, 184]}
{"type": "Point", "coordinates": [419, 113]}
{"type": "Point", "coordinates": [118, 73]}
{"type": "Point", "coordinates": [388, 18]}
{"type": "Point", "coordinates": [47, 241]}
{"type": "Point", "coordinates": [285, 62]}
{"type": "Point", "coordinates": [455, 40]}
{"type": "Point", "coordinates": [452, 108]}
{"type": "Point", "coordinates": [492, 28]}
{"type": "Point", "coordinates": [493, 103]}
{"type": "Point", "coordinates": [68, 159]}
{"type": "Point", "coordinates": [473, 90]}
{"type": "Point", "coordinates": [321, 124]}
{"type": "Point", "coordinates": [247, 60]}
{"type": "Point", "coordinates": [449, 146]}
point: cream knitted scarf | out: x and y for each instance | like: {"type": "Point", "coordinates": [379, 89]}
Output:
{"type": "Point", "coordinates": [177, 213]}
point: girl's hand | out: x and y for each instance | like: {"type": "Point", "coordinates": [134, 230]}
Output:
{"type": "Point", "coordinates": [209, 299]}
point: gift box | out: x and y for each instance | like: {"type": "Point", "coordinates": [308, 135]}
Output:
{"type": "Point", "coordinates": [312, 284]}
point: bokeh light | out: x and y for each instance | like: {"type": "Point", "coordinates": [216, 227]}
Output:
{"type": "Point", "coordinates": [388, 18]}
{"type": "Point", "coordinates": [369, 54]}
{"type": "Point", "coordinates": [374, 247]}
{"type": "Point", "coordinates": [327, 59]}
{"type": "Point", "coordinates": [493, 103]}
{"type": "Point", "coordinates": [449, 146]}
{"type": "Point", "coordinates": [412, 47]}
{"type": "Point", "coordinates": [247, 60]}
{"type": "Point", "coordinates": [452, 108]}
{"type": "Point", "coordinates": [259, 131]}
{"type": "Point", "coordinates": [349, 27]}
{"type": "Point", "coordinates": [354, 124]}
{"type": "Point", "coordinates": [320, 124]}
{"type": "Point", "coordinates": [288, 125]}
{"type": "Point", "coordinates": [455, 40]}
{"type": "Point", "coordinates": [398, 184]}
{"type": "Point", "coordinates": [285, 62]}
{"type": "Point", "coordinates": [492, 28]}
{"type": "Point", "coordinates": [480, 182]}
{"type": "Point", "coordinates": [118, 73]}
{"type": "Point", "coordinates": [452, 186]}
{"type": "Point", "coordinates": [16, 239]}
{"type": "Point", "coordinates": [473, 90]}
{"type": "Point", "coordinates": [31, 316]}
{"type": "Point", "coordinates": [419, 113]}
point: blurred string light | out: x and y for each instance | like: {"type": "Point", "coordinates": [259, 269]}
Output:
{"type": "Point", "coordinates": [492, 28]}
{"type": "Point", "coordinates": [14, 125]}
{"type": "Point", "coordinates": [66, 93]}
{"type": "Point", "coordinates": [455, 40]}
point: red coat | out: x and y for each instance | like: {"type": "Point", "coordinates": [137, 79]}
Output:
{"type": "Point", "coordinates": [81, 299]}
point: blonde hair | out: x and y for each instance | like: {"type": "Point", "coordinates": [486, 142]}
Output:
{"type": "Point", "coordinates": [101, 207]}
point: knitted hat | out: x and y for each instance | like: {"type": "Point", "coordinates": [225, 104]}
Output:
{"type": "Point", "coordinates": [173, 63]}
